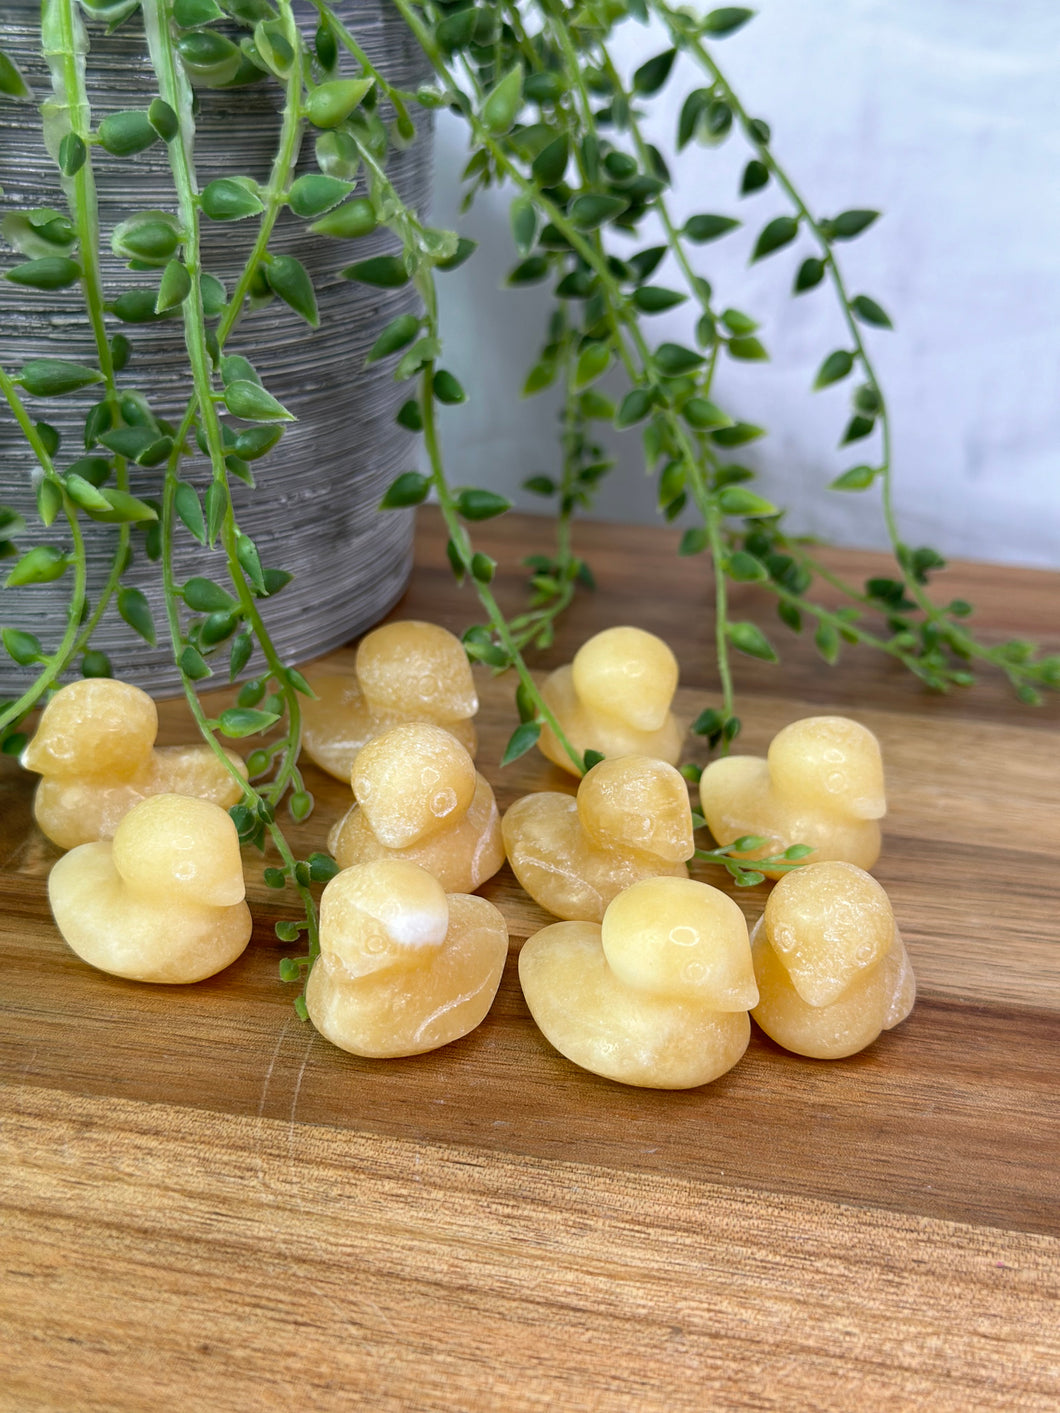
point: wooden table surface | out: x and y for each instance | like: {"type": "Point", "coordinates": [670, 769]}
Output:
{"type": "Point", "coordinates": [206, 1206]}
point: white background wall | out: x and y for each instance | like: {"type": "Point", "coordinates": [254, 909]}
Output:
{"type": "Point", "coordinates": [943, 114]}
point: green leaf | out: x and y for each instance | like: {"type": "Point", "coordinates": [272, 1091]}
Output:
{"type": "Point", "coordinates": [397, 335]}
{"type": "Point", "coordinates": [503, 102]}
{"type": "Point", "coordinates": [867, 400]}
{"type": "Point", "coordinates": [174, 288]}
{"type": "Point", "coordinates": [349, 222]}
{"type": "Point", "coordinates": [204, 596]}
{"type": "Point", "coordinates": [834, 369]}
{"type": "Point", "coordinates": [250, 562]}
{"type": "Point", "coordinates": [748, 638]}
{"type": "Point", "coordinates": [483, 568]}
{"type": "Point", "coordinates": [869, 312]}
{"type": "Point", "coordinates": [251, 402]}
{"type": "Point", "coordinates": [12, 84]}
{"type": "Point", "coordinates": [655, 299]}
{"type": "Point", "coordinates": [646, 262]}
{"type": "Point", "coordinates": [826, 640]}
{"type": "Point", "coordinates": [238, 722]}
{"type": "Point", "coordinates": [134, 608]}
{"type": "Point", "coordinates": [593, 361]}
{"type": "Point", "coordinates": [41, 565]}
{"type": "Point", "coordinates": [693, 541]}
{"type": "Point", "coordinates": [148, 238]}
{"type": "Point", "coordinates": [737, 322]}
{"type": "Point", "coordinates": [48, 273]}
{"type": "Point", "coordinates": [474, 504]}
{"type": "Point", "coordinates": [541, 376]}
{"type": "Point", "coordinates": [540, 485]}
{"type": "Point", "coordinates": [755, 177]}
{"type": "Point", "coordinates": [651, 76]}
{"type": "Point", "coordinates": [84, 494]}
{"type": "Point", "coordinates": [748, 348]}
{"type": "Point", "coordinates": [849, 224]}
{"type": "Point", "coordinates": [739, 434]}
{"type": "Point", "coordinates": [410, 488]}
{"type": "Point", "coordinates": [701, 413]}
{"type": "Point", "coordinates": [124, 134]}
{"type": "Point", "coordinates": [229, 200]}
{"type": "Point", "coordinates": [550, 164]}
{"type": "Point", "coordinates": [781, 231]}
{"type": "Point", "coordinates": [163, 119]}
{"type": "Point", "coordinates": [332, 102]}
{"type": "Point", "coordinates": [811, 273]}
{"type": "Point", "coordinates": [210, 59]}
{"type": "Point", "coordinates": [592, 209]}
{"type": "Point", "coordinates": [190, 14]}
{"type": "Point", "coordinates": [447, 389]}
{"type": "Point", "coordinates": [708, 227]}
{"type": "Point", "coordinates": [189, 511]}
{"type": "Point", "coordinates": [738, 500]}
{"type": "Point", "coordinates": [523, 217]}
{"type": "Point", "coordinates": [383, 271]}
{"type": "Point", "coordinates": [409, 416]}
{"type": "Point", "coordinates": [745, 568]}
{"type": "Point", "coordinates": [123, 509]}
{"type": "Point", "coordinates": [719, 24]}
{"type": "Point", "coordinates": [635, 407]}
{"type": "Point", "coordinates": [673, 360]}
{"type": "Point", "coordinates": [857, 428]}
{"type": "Point", "coordinates": [529, 271]}
{"type": "Point", "coordinates": [49, 500]}
{"type": "Point", "coordinates": [24, 648]}
{"type": "Point", "coordinates": [313, 194]}
{"type": "Point", "coordinates": [524, 738]}
{"type": "Point", "coordinates": [423, 351]}
{"type": "Point", "coordinates": [289, 279]}
{"type": "Point", "coordinates": [465, 248]}
{"type": "Point", "coordinates": [858, 478]}
{"type": "Point", "coordinates": [51, 377]}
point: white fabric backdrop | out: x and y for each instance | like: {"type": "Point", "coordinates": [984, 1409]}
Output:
{"type": "Point", "coordinates": [946, 117]}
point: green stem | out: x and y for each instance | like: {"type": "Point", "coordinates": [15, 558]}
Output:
{"type": "Point", "coordinates": [458, 535]}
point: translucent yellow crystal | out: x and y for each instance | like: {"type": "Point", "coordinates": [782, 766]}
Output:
{"type": "Point", "coordinates": [656, 996]}
{"type": "Point", "coordinates": [403, 968]}
{"type": "Point", "coordinates": [631, 820]}
{"type": "Point", "coordinates": [95, 751]}
{"type": "Point", "coordinates": [831, 967]}
{"type": "Point", "coordinates": [404, 671]}
{"type": "Point", "coordinates": [162, 901]}
{"type": "Point", "coordinates": [615, 698]}
{"type": "Point", "coordinates": [419, 797]}
{"type": "Point", "coordinates": [821, 784]}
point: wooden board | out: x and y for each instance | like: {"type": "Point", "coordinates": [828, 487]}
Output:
{"type": "Point", "coordinates": [205, 1203]}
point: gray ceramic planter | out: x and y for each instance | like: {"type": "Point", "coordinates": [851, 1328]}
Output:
{"type": "Point", "coordinates": [314, 510]}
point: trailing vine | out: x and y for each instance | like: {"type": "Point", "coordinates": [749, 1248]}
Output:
{"type": "Point", "coordinates": [549, 117]}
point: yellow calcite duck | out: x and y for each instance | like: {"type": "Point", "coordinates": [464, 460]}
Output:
{"type": "Point", "coordinates": [656, 996]}
{"type": "Point", "coordinates": [630, 820]}
{"type": "Point", "coordinates": [163, 900]}
{"type": "Point", "coordinates": [419, 797]}
{"type": "Point", "coordinates": [821, 784]}
{"type": "Point", "coordinates": [403, 968]}
{"type": "Point", "coordinates": [95, 751]}
{"type": "Point", "coordinates": [831, 967]}
{"type": "Point", "coordinates": [404, 671]}
{"type": "Point", "coordinates": [615, 698]}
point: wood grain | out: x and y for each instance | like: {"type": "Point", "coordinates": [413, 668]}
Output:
{"type": "Point", "coordinates": [203, 1202]}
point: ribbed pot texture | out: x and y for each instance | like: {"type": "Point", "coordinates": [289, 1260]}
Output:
{"type": "Point", "coordinates": [313, 511]}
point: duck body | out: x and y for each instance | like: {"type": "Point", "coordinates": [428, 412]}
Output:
{"type": "Point", "coordinates": [403, 967]}
{"type": "Point", "coordinates": [630, 821]}
{"type": "Point", "coordinates": [163, 901]}
{"type": "Point", "coordinates": [94, 750]}
{"type": "Point", "coordinates": [407, 671]}
{"type": "Point", "coordinates": [821, 784]}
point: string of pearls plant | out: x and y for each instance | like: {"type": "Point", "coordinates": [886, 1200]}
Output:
{"type": "Point", "coordinates": [549, 118]}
